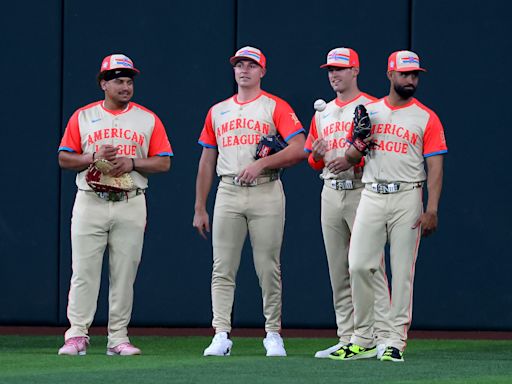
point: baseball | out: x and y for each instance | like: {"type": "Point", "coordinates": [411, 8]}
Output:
{"type": "Point", "coordinates": [319, 105]}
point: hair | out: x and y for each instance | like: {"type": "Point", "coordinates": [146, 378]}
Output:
{"type": "Point", "coordinates": [114, 74]}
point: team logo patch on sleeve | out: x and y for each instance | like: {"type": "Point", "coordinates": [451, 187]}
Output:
{"type": "Point", "coordinates": [294, 118]}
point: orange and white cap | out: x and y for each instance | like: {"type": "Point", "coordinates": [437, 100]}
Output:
{"type": "Point", "coordinates": [250, 53]}
{"type": "Point", "coordinates": [342, 57]}
{"type": "Point", "coordinates": [404, 61]}
{"type": "Point", "coordinates": [117, 61]}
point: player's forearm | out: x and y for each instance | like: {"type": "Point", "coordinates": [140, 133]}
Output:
{"type": "Point", "coordinates": [204, 178]}
{"type": "Point", "coordinates": [203, 185]}
{"type": "Point", "coordinates": [75, 161]}
{"type": "Point", "coordinates": [434, 182]}
{"type": "Point", "coordinates": [353, 156]}
{"type": "Point", "coordinates": [154, 164]}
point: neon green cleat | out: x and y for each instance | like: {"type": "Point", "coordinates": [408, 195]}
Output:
{"type": "Point", "coordinates": [393, 354]}
{"type": "Point", "coordinates": [353, 352]}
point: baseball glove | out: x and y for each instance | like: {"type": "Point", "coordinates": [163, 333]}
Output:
{"type": "Point", "coordinates": [98, 179]}
{"type": "Point", "coordinates": [269, 145]}
{"type": "Point", "coordinates": [362, 130]}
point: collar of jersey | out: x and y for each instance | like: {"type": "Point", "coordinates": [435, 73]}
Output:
{"type": "Point", "coordinates": [128, 107]}
{"type": "Point", "coordinates": [341, 104]}
{"type": "Point", "coordinates": [413, 101]}
{"type": "Point", "coordinates": [235, 99]}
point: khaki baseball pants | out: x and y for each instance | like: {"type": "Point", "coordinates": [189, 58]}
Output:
{"type": "Point", "coordinates": [95, 225]}
{"type": "Point", "coordinates": [381, 218]}
{"type": "Point", "coordinates": [338, 214]}
{"type": "Point", "coordinates": [260, 211]}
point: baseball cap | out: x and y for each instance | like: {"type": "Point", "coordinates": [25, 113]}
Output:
{"type": "Point", "coordinates": [342, 57]}
{"type": "Point", "coordinates": [404, 61]}
{"type": "Point", "coordinates": [250, 53]}
{"type": "Point", "coordinates": [117, 61]}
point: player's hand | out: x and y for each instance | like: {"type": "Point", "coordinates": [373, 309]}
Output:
{"type": "Point", "coordinates": [107, 152]}
{"type": "Point", "coordinates": [251, 173]}
{"type": "Point", "coordinates": [201, 222]}
{"type": "Point", "coordinates": [121, 165]}
{"type": "Point", "coordinates": [338, 165]}
{"type": "Point", "coordinates": [369, 139]}
{"type": "Point", "coordinates": [428, 223]}
{"type": "Point", "coordinates": [319, 149]}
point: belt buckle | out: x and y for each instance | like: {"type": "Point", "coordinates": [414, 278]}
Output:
{"type": "Point", "coordinates": [115, 196]}
{"type": "Point", "coordinates": [342, 184]}
{"type": "Point", "coordinates": [236, 181]}
{"type": "Point", "coordinates": [385, 188]}
{"type": "Point", "coordinates": [345, 184]}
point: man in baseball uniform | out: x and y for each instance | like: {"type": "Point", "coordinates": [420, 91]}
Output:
{"type": "Point", "coordinates": [250, 196]}
{"type": "Point", "coordinates": [326, 144]}
{"type": "Point", "coordinates": [407, 135]}
{"type": "Point", "coordinates": [134, 140]}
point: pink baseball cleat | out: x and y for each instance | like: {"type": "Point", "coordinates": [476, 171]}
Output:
{"type": "Point", "coordinates": [75, 346]}
{"type": "Point", "coordinates": [124, 349]}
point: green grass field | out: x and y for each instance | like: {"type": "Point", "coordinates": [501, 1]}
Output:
{"type": "Point", "coordinates": [33, 359]}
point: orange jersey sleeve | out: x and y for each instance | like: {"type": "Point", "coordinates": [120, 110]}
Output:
{"type": "Point", "coordinates": [286, 121]}
{"type": "Point", "coordinates": [207, 137]}
{"type": "Point", "coordinates": [312, 136]}
{"type": "Point", "coordinates": [308, 147]}
{"type": "Point", "coordinates": [71, 141]}
{"type": "Point", "coordinates": [316, 165]}
{"type": "Point", "coordinates": [434, 142]}
{"type": "Point", "coordinates": [159, 144]}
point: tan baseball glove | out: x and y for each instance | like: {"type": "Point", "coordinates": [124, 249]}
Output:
{"type": "Point", "coordinates": [99, 180]}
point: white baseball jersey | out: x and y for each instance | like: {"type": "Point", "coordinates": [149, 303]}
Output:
{"type": "Point", "coordinates": [405, 136]}
{"type": "Point", "coordinates": [235, 128]}
{"type": "Point", "coordinates": [136, 132]}
{"type": "Point", "coordinates": [334, 125]}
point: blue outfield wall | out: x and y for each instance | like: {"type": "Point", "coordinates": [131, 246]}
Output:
{"type": "Point", "coordinates": [182, 51]}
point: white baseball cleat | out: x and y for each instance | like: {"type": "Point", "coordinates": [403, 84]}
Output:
{"type": "Point", "coordinates": [274, 345]}
{"type": "Point", "coordinates": [324, 354]}
{"type": "Point", "coordinates": [220, 345]}
{"type": "Point", "coordinates": [381, 348]}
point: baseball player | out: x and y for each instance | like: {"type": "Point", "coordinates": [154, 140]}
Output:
{"type": "Point", "coordinates": [250, 196]}
{"type": "Point", "coordinates": [327, 143]}
{"type": "Point", "coordinates": [134, 140]}
{"type": "Point", "coordinates": [407, 135]}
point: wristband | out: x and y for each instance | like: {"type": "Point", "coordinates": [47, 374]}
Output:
{"type": "Point", "coordinates": [360, 145]}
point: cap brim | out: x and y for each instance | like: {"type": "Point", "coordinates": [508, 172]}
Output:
{"type": "Point", "coordinates": [339, 65]}
{"type": "Point", "coordinates": [409, 69]}
{"type": "Point", "coordinates": [134, 70]}
{"type": "Point", "coordinates": [235, 59]}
